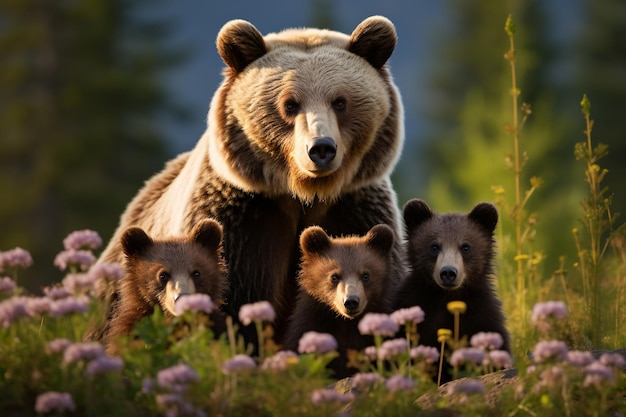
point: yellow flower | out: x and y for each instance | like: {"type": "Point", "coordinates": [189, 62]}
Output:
{"type": "Point", "coordinates": [443, 335]}
{"type": "Point", "coordinates": [457, 307]}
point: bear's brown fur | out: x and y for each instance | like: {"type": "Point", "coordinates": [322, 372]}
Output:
{"type": "Point", "coordinates": [158, 272]}
{"type": "Point", "coordinates": [341, 279]}
{"type": "Point", "coordinates": [304, 130]}
{"type": "Point", "coordinates": [451, 259]}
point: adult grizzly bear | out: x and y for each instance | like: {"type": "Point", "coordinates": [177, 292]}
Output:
{"type": "Point", "coordinates": [304, 130]}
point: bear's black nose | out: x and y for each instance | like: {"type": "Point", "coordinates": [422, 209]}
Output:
{"type": "Point", "coordinates": [323, 151]}
{"type": "Point", "coordinates": [351, 303]}
{"type": "Point", "coordinates": [448, 275]}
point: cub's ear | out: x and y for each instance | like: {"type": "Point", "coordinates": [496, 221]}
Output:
{"type": "Point", "coordinates": [374, 39]}
{"type": "Point", "coordinates": [135, 242]}
{"type": "Point", "coordinates": [208, 233]}
{"type": "Point", "coordinates": [485, 215]}
{"type": "Point", "coordinates": [380, 238]}
{"type": "Point", "coordinates": [314, 240]}
{"type": "Point", "coordinates": [239, 43]}
{"type": "Point", "coordinates": [415, 213]}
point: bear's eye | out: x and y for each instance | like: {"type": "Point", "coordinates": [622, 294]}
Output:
{"type": "Point", "coordinates": [334, 278]}
{"type": "Point", "coordinates": [435, 248]}
{"type": "Point", "coordinates": [195, 274]}
{"type": "Point", "coordinates": [339, 104]}
{"type": "Point", "coordinates": [164, 277]}
{"type": "Point", "coordinates": [291, 107]}
{"type": "Point", "coordinates": [365, 277]}
{"type": "Point", "coordinates": [465, 247]}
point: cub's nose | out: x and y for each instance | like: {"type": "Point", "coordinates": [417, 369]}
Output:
{"type": "Point", "coordinates": [351, 303]}
{"type": "Point", "coordinates": [448, 275]}
{"type": "Point", "coordinates": [323, 151]}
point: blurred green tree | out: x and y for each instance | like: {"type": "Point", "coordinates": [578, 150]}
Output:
{"type": "Point", "coordinates": [467, 148]}
{"type": "Point", "coordinates": [602, 59]}
{"type": "Point", "coordinates": [80, 101]}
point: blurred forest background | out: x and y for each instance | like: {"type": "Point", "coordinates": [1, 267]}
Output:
{"type": "Point", "coordinates": [95, 96]}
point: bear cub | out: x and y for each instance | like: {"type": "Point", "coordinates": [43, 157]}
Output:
{"type": "Point", "coordinates": [451, 259]}
{"type": "Point", "coordinates": [159, 272]}
{"type": "Point", "coordinates": [341, 279]}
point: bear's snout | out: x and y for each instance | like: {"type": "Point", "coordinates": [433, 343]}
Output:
{"type": "Point", "coordinates": [351, 303]}
{"type": "Point", "coordinates": [322, 151]}
{"type": "Point", "coordinates": [448, 275]}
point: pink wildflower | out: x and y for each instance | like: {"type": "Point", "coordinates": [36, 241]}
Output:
{"type": "Point", "coordinates": [579, 358]}
{"type": "Point", "coordinates": [14, 258]}
{"type": "Point", "coordinates": [13, 309]}
{"type": "Point", "coordinates": [311, 342]}
{"type": "Point", "coordinates": [147, 385]}
{"type": "Point", "coordinates": [326, 395]}
{"type": "Point", "coordinates": [472, 355]}
{"type": "Point", "coordinates": [193, 303]}
{"type": "Point", "coordinates": [259, 311]}
{"type": "Point", "coordinates": [7, 285]}
{"type": "Point", "coordinates": [57, 345]}
{"type": "Point", "coordinates": [104, 364]}
{"type": "Point", "coordinates": [363, 380]}
{"type": "Point", "coordinates": [38, 305]}
{"type": "Point", "coordinates": [72, 258]}
{"type": "Point", "coordinates": [550, 349]}
{"type": "Point", "coordinates": [552, 377]}
{"type": "Point", "coordinates": [614, 360]}
{"type": "Point", "coordinates": [280, 360]}
{"type": "Point", "coordinates": [81, 283]}
{"type": "Point", "coordinates": [598, 374]}
{"type": "Point", "coordinates": [177, 376]}
{"type": "Point", "coordinates": [68, 305]}
{"type": "Point", "coordinates": [392, 348]}
{"type": "Point", "coordinates": [500, 359]}
{"type": "Point", "coordinates": [238, 363]}
{"type": "Point", "coordinates": [399, 383]}
{"type": "Point", "coordinates": [413, 314]}
{"type": "Point", "coordinates": [464, 389]}
{"type": "Point", "coordinates": [370, 352]}
{"type": "Point", "coordinates": [428, 353]}
{"type": "Point", "coordinates": [487, 340]}
{"type": "Point", "coordinates": [378, 324]}
{"type": "Point", "coordinates": [56, 292]}
{"type": "Point", "coordinates": [110, 272]}
{"type": "Point", "coordinates": [547, 311]}
{"type": "Point", "coordinates": [82, 239]}
{"type": "Point", "coordinates": [82, 352]}
{"type": "Point", "coordinates": [54, 401]}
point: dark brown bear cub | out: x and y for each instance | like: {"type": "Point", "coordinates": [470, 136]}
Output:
{"type": "Point", "coordinates": [159, 272]}
{"type": "Point", "coordinates": [451, 259]}
{"type": "Point", "coordinates": [340, 280]}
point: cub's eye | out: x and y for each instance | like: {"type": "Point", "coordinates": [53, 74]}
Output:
{"type": "Point", "coordinates": [195, 274]}
{"type": "Point", "coordinates": [465, 247]}
{"type": "Point", "coordinates": [334, 278]}
{"type": "Point", "coordinates": [365, 277]}
{"type": "Point", "coordinates": [435, 248]}
{"type": "Point", "coordinates": [339, 104]}
{"type": "Point", "coordinates": [164, 276]}
{"type": "Point", "coordinates": [291, 107]}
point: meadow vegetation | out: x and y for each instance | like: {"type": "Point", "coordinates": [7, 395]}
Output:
{"type": "Point", "coordinates": [175, 366]}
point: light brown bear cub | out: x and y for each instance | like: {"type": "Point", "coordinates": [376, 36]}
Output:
{"type": "Point", "coordinates": [451, 259]}
{"type": "Point", "coordinates": [159, 272]}
{"type": "Point", "coordinates": [340, 280]}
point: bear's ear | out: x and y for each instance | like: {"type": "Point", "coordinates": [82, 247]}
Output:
{"type": "Point", "coordinates": [239, 43]}
{"type": "Point", "coordinates": [208, 233]}
{"type": "Point", "coordinates": [314, 240]}
{"type": "Point", "coordinates": [485, 215]}
{"type": "Point", "coordinates": [135, 242]}
{"type": "Point", "coordinates": [374, 39]}
{"type": "Point", "coordinates": [415, 213]}
{"type": "Point", "coordinates": [380, 238]}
